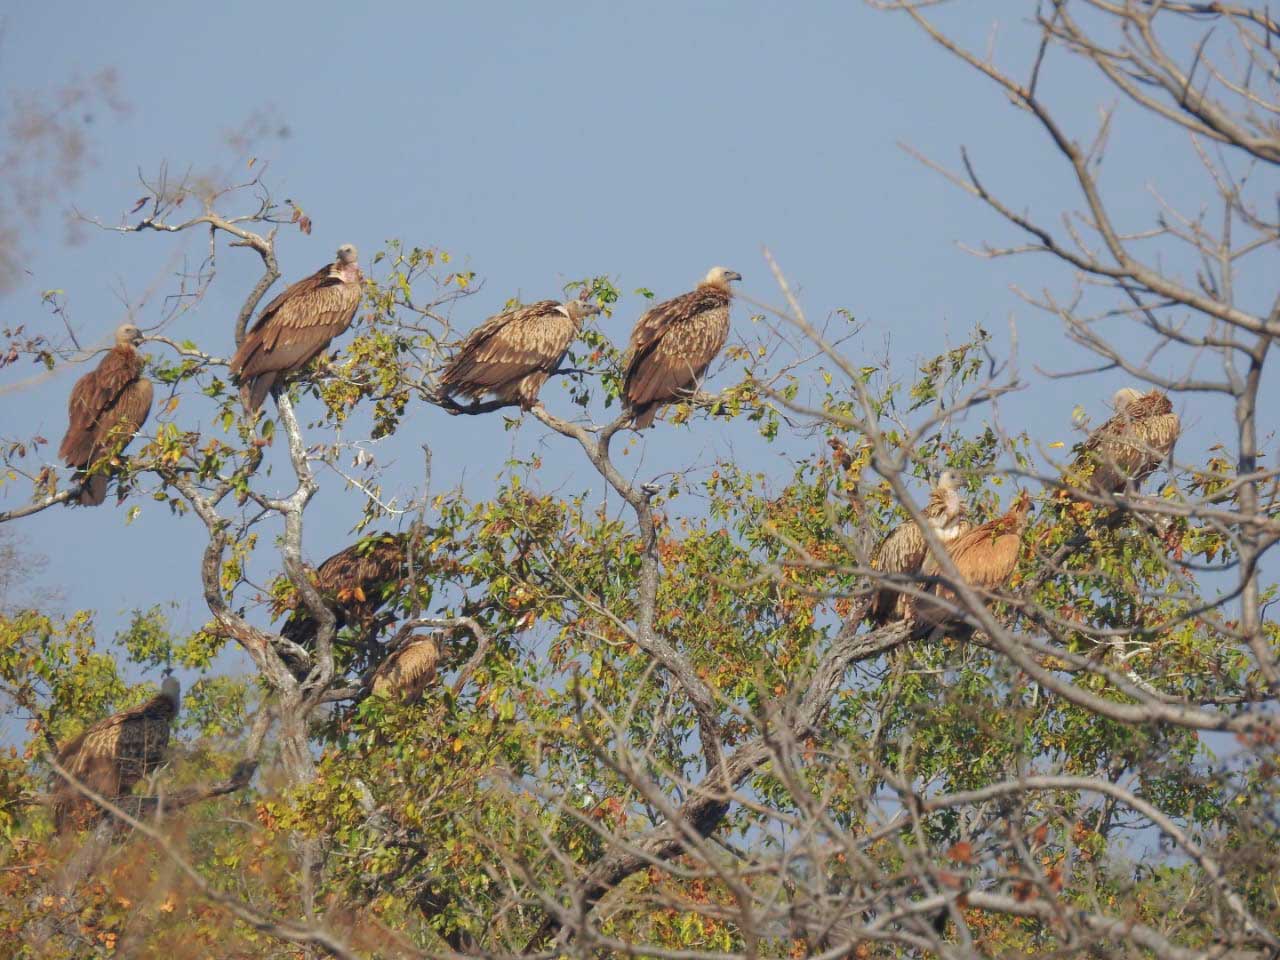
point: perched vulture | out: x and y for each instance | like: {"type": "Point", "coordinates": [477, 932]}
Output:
{"type": "Point", "coordinates": [673, 344]}
{"type": "Point", "coordinates": [511, 355]}
{"type": "Point", "coordinates": [355, 582]}
{"type": "Point", "coordinates": [109, 405]}
{"type": "Point", "coordinates": [407, 672]}
{"type": "Point", "coordinates": [297, 326]}
{"type": "Point", "coordinates": [904, 549]}
{"type": "Point", "coordinates": [1129, 446]}
{"type": "Point", "coordinates": [985, 556]}
{"type": "Point", "coordinates": [113, 755]}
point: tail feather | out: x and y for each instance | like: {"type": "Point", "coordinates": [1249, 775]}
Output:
{"type": "Point", "coordinates": [93, 490]}
{"type": "Point", "coordinates": [644, 416]}
{"type": "Point", "coordinates": [255, 390]}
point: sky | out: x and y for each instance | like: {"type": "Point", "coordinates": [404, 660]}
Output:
{"type": "Point", "coordinates": [544, 142]}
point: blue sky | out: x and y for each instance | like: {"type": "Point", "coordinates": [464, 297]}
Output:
{"type": "Point", "coordinates": [552, 141]}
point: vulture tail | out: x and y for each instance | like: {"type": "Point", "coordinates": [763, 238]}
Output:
{"type": "Point", "coordinates": [644, 416]}
{"type": "Point", "coordinates": [255, 391]}
{"type": "Point", "coordinates": [93, 490]}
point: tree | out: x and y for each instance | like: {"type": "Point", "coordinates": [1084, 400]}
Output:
{"type": "Point", "coordinates": [666, 728]}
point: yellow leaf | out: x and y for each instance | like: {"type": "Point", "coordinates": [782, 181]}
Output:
{"type": "Point", "coordinates": [457, 744]}
{"type": "Point", "coordinates": [172, 405]}
{"type": "Point", "coordinates": [1056, 444]}
{"type": "Point", "coordinates": [359, 594]}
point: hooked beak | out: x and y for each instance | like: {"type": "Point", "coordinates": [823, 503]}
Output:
{"type": "Point", "coordinates": [733, 275]}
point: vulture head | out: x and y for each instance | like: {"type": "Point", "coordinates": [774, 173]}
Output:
{"type": "Point", "coordinates": [1123, 397]}
{"type": "Point", "coordinates": [1021, 507]}
{"type": "Point", "coordinates": [346, 263]}
{"type": "Point", "coordinates": [720, 277]}
{"type": "Point", "coordinates": [127, 335]}
{"type": "Point", "coordinates": [171, 690]}
{"type": "Point", "coordinates": [579, 310]}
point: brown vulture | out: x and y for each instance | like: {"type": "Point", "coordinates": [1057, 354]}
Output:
{"type": "Point", "coordinates": [113, 755]}
{"type": "Point", "coordinates": [673, 344]}
{"type": "Point", "coordinates": [356, 582]}
{"type": "Point", "coordinates": [985, 556]}
{"type": "Point", "coordinates": [109, 405]}
{"type": "Point", "coordinates": [511, 355]}
{"type": "Point", "coordinates": [904, 549]}
{"type": "Point", "coordinates": [297, 326]}
{"type": "Point", "coordinates": [407, 672]}
{"type": "Point", "coordinates": [1128, 447]}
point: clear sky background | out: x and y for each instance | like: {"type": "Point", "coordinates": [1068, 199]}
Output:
{"type": "Point", "coordinates": [543, 142]}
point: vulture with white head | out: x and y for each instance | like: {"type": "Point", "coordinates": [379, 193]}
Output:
{"type": "Point", "coordinates": [986, 557]}
{"type": "Point", "coordinates": [109, 405]}
{"type": "Point", "coordinates": [297, 326]}
{"type": "Point", "coordinates": [112, 755]}
{"type": "Point", "coordinates": [904, 549]}
{"type": "Point", "coordinates": [512, 355]}
{"type": "Point", "coordinates": [673, 344]}
{"type": "Point", "coordinates": [1131, 445]}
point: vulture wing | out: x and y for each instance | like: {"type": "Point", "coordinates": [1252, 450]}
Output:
{"type": "Point", "coordinates": [354, 581]}
{"type": "Point", "coordinates": [902, 551]}
{"type": "Point", "coordinates": [93, 396]}
{"type": "Point", "coordinates": [1131, 444]}
{"type": "Point", "coordinates": [110, 757]}
{"type": "Point", "coordinates": [408, 671]}
{"type": "Point", "coordinates": [294, 328]}
{"type": "Point", "coordinates": [497, 355]}
{"type": "Point", "coordinates": [671, 347]}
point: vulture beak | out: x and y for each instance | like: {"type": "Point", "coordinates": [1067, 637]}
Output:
{"type": "Point", "coordinates": [733, 275]}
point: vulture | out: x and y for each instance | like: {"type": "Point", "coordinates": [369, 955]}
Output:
{"type": "Point", "coordinates": [355, 581]}
{"type": "Point", "coordinates": [985, 556]}
{"type": "Point", "coordinates": [673, 344]}
{"type": "Point", "coordinates": [297, 326]}
{"type": "Point", "coordinates": [904, 549]}
{"type": "Point", "coordinates": [1128, 447]}
{"type": "Point", "coordinates": [407, 672]}
{"type": "Point", "coordinates": [109, 405]}
{"type": "Point", "coordinates": [113, 755]}
{"type": "Point", "coordinates": [511, 355]}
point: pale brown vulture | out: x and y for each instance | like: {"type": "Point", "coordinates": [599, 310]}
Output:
{"type": "Point", "coordinates": [673, 344]}
{"type": "Point", "coordinates": [112, 755]}
{"type": "Point", "coordinates": [297, 326]}
{"type": "Point", "coordinates": [985, 557]}
{"type": "Point", "coordinates": [1131, 445]}
{"type": "Point", "coordinates": [904, 549]}
{"type": "Point", "coordinates": [109, 405]}
{"type": "Point", "coordinates": [407, 672]}
{"type": "Point", "coordinates": [511, 355]}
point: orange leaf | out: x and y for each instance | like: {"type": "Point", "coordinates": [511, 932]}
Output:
{"type": "Point", "coordinates": [358, 593]}
{"type": "Point", "coordinates": [962, 852]}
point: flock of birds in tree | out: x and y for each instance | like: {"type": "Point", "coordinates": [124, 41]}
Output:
{"type": "Point", "coordinates": [510, 356]}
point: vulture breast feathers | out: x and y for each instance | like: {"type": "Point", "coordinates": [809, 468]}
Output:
{"type": "Point", "coordinates": [112, 755]}
{"type": "Point", "coordinates": [1132, 444]}
{"type": "Point", "coordinates": [903, 551]}
{"type": "Point", "coordinates": [109, 405]}
{"type": "Point", "coordinates": [511, 355]}
{"type": "Point", "coordinates": [297, 326]}
{"type": "Point", "coordinates": [985, 557]}
{"type": "Point", "coordinates": [673, 344]}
